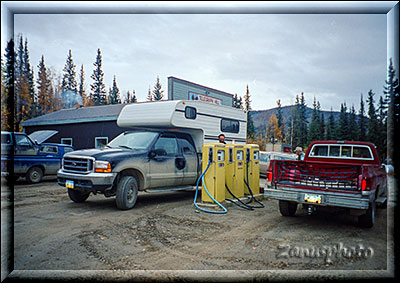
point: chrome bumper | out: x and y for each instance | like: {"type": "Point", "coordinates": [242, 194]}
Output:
{"type": "Point", "coordinates": [346, 200]}
{"type": "Point", "coordinates": [90, 181]}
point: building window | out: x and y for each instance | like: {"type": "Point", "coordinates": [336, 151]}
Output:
{"type": "Point", "coordinates": [100, 142]}
{"type": "Point", "coordinates": [230, 126]}
{"type": "Point", "coordinates": [66, 141]}
{"type": "Point", "coordinates": [190, 112]}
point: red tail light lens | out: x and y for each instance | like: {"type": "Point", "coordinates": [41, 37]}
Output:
{"type": "Point", "coordinates": [363, 185]}
{"type": "Point", "coordinates": [270, 176]}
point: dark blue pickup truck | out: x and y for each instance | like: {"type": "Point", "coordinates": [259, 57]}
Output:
{"type": "Point", "coordinates": [32, 158]}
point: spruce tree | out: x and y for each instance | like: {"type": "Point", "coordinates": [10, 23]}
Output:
{"type": "Point", "coordinates": [44, 87]}
{"type": "Point", "coordinates": [149, 95]}
{"type": "Point", "coordinates": [134, 98]}
{"type": "Point", "coordinates": [7, 88]}
{"type": "Point", "coordinates": [24, 90]}
{"type": "Point", "coordinates": [392, 85]}
{"type": "Point", "coordinates": [81, 88]}
{"type": "Point", "coordinates": [127, 97]}
{"type": "Point", "coordinates": [98, 89]}
{"type": "Point", "coordinates": [295, 128]}
{"type": "Point", "coordinates": [362, 121]}
{"type": "Point", "coordinates": [279, 117]}
{"type": "Point", "coordinates": [373, 128]}
{"type": "Point", "coordinates": [331, 127]}
{"type": "Point", "coordinates": [322, 127]}
{"type": "Point", "coordinates": [69, 85]}
{"type": "Point", "coordinates": [343, 128]}
{"type": "Point", "coordinates": [157, 91]}
{"type": "Point", "coordinates": [28, 71]}
{"type": "Point", "coordinates": [353, 129]}
{"type": "Point", "coordinates": [303, 127]}
{"type": "Point", "coordinates": [314, 130]}
{"type": "Point", "coordinates": [247, 107]}
{"type": "Point", "coordinates": [114, 93]}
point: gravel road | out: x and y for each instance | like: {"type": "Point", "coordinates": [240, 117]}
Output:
{"type": "Point", "coordinates": [165, 236]}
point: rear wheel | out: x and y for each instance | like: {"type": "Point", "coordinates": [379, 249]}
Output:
{"type": "Point", "coordinates": [77, 196]}
{"type": "Point", "coordinates": [127, 192]}
{"type": "Point", "coordinates": [287, 208]}
{"type": "Point", "coordinates": [367, 220]}
{"type": "Point", "coordinates": [34, 175]}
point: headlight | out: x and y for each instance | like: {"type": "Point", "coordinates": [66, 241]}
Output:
{"type": "Point", "coordinates": [102, 167]}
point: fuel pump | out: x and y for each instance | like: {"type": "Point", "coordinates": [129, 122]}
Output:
{"type": "Point", "coordinates": [234, 172]}
{"type": "Point", "coordinates": [214, 178]}
{"type": "Point", "coordinates": [252, 171]}
{"type": "Point", "coordinates": [234, 175]}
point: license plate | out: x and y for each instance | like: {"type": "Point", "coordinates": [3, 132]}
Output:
{"type": "Point", "coordinates": [69, 184]}
{"type": "Point", "coordinates": [312, 198]}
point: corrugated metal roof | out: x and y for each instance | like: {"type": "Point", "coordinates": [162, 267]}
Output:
{"type": "Point", "coordinates": [77, 115]}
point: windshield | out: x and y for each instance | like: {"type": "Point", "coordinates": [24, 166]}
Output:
{"type": "Point", "coordinates": [263, 157]}
{"type": "Point", "coordinates": [133, 140]}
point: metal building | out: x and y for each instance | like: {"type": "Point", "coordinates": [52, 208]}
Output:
{"type": "Point", "coordinates": [86, 127]}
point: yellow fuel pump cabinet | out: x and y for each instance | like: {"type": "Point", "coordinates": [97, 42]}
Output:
{"type": "Point", "coordinates": [252, 168]}
{"type": "Point", "coordinates": [214, 178]}
{"type": "Point", "coordinates": [234, 172]}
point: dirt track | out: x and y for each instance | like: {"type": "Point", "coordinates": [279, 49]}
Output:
{"type": "Point", "coordinates": [164, 231]}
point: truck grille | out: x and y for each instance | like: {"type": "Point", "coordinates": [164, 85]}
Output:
{"type": "Point", "coordinates": [323, 176]}
{"type": "Point", "coordinates": [78, 164]}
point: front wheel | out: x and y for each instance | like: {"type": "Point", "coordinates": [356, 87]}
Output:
{"type": "Point", "coordinates": [127, 192]}
{"type": "Point", "coordinates": [367, 220]}
{"type": "Point", "coordinates": [287, 208]}
{"type": "Point", "coordinates": [34, 175]}
{"type": "Point", "coordinates": [77, 196]}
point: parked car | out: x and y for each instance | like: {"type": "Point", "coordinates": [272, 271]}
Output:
{"type": "Point", "coordinates": [267, 156]}
{"type": "Point", "coordinates": [333, 174]}
{"type": "Point", "coordinates": [31, 157]}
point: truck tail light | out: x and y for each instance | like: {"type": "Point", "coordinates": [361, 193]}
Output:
{"type": "Point", "coordinates": [269, 176]}
{"type": "Point", "coordinates": [363, 184]}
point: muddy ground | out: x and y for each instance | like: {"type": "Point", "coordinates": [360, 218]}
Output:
{"type": "Point", "coordinates": [164, 232]}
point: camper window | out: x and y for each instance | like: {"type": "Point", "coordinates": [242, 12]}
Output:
{"type": "Point", "coordinates": [230, 126]}
{"type": "Point", "coordinates": [190, 112]}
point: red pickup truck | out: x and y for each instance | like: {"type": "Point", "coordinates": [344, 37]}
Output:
{"type": "Point", "coordinates": [333, 173]}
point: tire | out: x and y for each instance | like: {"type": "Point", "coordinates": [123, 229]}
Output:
{"type": "Point", "coordinates": [77, 196]}
{"type": "Point", "coordinates": [34, 175]}
{"type": "Point", "coordinates": [367, 220]}
{"type": "Point", "coordinates": [287, 208]}
{"type": "Point", "coordinates": [127, 192]}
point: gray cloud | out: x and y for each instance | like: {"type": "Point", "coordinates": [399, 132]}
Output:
{"type": "Point", "coordinates": [278, 56]}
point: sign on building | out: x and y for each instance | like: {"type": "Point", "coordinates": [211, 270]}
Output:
{"type": "Point", "coordinates": [179, 89]}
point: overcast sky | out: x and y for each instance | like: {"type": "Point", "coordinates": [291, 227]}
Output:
{"type": "Point", "coordinates": [332, 57]}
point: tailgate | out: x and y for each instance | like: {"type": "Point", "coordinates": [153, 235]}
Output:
{"type": "Point", "coordinates": [316, 175]}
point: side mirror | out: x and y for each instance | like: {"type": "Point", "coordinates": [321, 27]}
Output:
{"type": "Point", "coordinates": [157, 152]}
{"type": "Point", "coordinates": [152, 154]}
{"type": "Point", "coordinates": [37, 143]}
